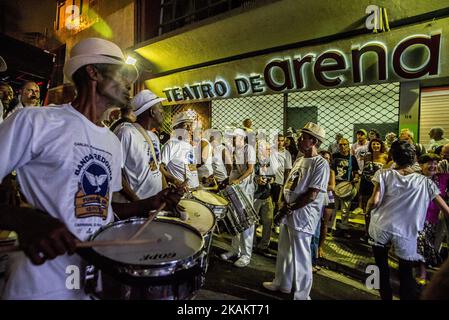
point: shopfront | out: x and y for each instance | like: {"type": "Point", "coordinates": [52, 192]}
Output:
{"type": "Point", "coordinates": [369, 80]}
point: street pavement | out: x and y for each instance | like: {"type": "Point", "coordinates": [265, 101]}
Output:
{"type": "Point", "coordinates": [224, 281]}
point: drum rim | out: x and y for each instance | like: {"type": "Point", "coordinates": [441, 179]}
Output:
{"type": "Point", "coordinates": [214, 205]}
{"type": "Point", "coordinates": [154, 269]}
{"type": "Point", "coordinates": [211, 212]}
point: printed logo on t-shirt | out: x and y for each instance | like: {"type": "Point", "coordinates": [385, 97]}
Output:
{"type": "Point", "coordinates": [190, 160]}
{"type": "Point", "coordinates": [92, 197]}
{"type": "Point", "coordinates": [292, 182]}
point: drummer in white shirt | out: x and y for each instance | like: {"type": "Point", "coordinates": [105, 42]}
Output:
{"type": "Point", "coordinates": [178, 157]}
{"type": "Point", "coordinates": [242, 174]}
{"type": "Point", "coordinates": [141, 147]}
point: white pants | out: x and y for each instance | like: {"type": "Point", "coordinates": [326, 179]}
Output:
{"type": "Point", "coordinates": [242, 244]}
{"type": "Point", "coordinates": [294, 262]}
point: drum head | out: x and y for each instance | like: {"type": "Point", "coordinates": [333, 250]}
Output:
{"type": "Point", "coordinates": [210, 198]}
{"type": "Point", "coordinates": [198, 215]}
{"type": "Point", "coordinates": [173, 242]}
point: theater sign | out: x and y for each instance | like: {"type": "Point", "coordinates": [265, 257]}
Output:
{"type": "Point", "coordinates": [416, 52]}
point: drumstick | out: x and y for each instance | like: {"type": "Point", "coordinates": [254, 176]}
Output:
{"type": "Point", "coordinates": [150, 218]}
{"type": "Point", "coordinates": [89, 244]}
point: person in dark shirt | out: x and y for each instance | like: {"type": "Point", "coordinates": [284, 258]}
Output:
{"type": "Point", "coordinates": [346, 170]}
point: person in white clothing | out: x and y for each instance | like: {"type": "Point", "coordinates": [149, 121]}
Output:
{"type": "Point", "coordinates": [281, 162]}
{"type": "Point", "coordinates": [140, 146]}
{"type": "Point", "coordinates": [68, 166]}
{"type": "Point", "coordinates": [244, 159]}
{"type": "Point", "coordinates": [221, 159]}
{"type": "Point", "coordinates": [179, 164]}
{"type": "Point", "coordinates": [398, 207]}
{"type": "Point", "coordinates": [204, 153]}
{"type": "Point", "coordinates": [304, 194]}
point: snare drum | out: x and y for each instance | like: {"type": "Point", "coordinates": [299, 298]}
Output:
{"type": "Point", "coordinates": [202, 219]}
{"type": "Point", "coordinates": [241, 214]}
{"type": "Point", "coordinates": [170, 268]}
{"type": "Point", "coordinates": [214, 202]}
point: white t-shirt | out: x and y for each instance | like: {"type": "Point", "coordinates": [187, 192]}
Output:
{"type": "Point", "coordinates": [141, 170]}
{"type": "Point", "coordinates": [241, 158]}
{"type": "Point", "coordinates": [179, 158]}
{"type": "Point", "coordinates": [359, 151]}
{"type": "Point", "coordinates": [206, 169]}
{"type": "Point", "coordinates": [280, 161]}
{"type": "Point", "coordinates": [306, 173]}
{"type": "Point", "coordinates": [218, 164]}
{"type": "Point", "coordinates": [403, 202]}
{"type": "Point", "coordinates": [66, 166]}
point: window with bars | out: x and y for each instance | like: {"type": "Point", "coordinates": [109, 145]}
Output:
{"type": "Point", "coordinates": [176, 14]}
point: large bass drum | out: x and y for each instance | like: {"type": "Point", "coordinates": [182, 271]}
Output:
{"type": "Point", "coordinates": [170, 268]}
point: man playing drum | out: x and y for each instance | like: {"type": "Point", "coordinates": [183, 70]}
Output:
{"type": "Point", "coordinates": [68, 167]}
{"type": "Point", "coordinates": [244, 159]}
{"type": "Point", "coordinates": [140, 146]}
{"type": "Point", "coordinates": [178, 157]}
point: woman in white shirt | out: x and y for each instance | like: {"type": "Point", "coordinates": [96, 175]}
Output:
{"type": "Point", "coordinates": [397, 206]}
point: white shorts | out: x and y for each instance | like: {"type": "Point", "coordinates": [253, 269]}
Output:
{"type": "Point", "coordinates": [404, 248]}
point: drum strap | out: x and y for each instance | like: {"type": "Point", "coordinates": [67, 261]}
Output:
{"type": "Point", "coordinates": [148, 139]}
{"type": "Point", "coordinates": [349, 167]}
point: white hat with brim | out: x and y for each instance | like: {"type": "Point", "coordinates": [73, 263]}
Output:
{"type": "Point", "coordinates": [144, 100]}
{"type": "Point", "coordinates": [239, 132]}
{"type": "Point", "coordinates": [96, 51]}
{"type": "Point", "coordinates": [315, 131]}
{"type": "Point", "coordinates": [3, 65]}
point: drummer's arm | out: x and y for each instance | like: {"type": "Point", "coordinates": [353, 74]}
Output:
{"type": "Point", "coordinates": [167, 198]}
{"type": "Point", "coordinates": [168, 176]}
{"type": "Point", "coordinates": [246, 174]}
{"type": "Point", "coordinates": [227, 160]}
{"type": "Point", "coordinates": [126, 191]}
{"type": "Point", "coordinates": [308, 197]}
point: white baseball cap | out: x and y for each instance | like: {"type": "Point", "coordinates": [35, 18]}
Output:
{"type": "Point", "coordinates": [96, 50]}
{"type": "Point", "coordinates": [144, 100]}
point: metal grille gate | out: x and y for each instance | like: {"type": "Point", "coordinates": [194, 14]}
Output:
{"type": "Point", "coordinates": [341, 110]}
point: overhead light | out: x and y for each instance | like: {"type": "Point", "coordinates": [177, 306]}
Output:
{"type": "Point", "coordinates": [130, 60]}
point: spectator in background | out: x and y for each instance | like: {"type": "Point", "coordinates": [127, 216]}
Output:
{"type": "Point", "coordinates": [6, 96]}
{"type": "Point", "coordinates": [346, 169]}
{"type": "Point", "coordinates": [360, 147]}
{"type": "Point", "coordinates": [390, 137]}
{"type": "Point", "coordinates": [333, 148]}
{"type": "Point", "coordinates": [290, 145]}
{"type": "Point", "coordinates": [373, 134]}
{"type": "Point", "coordinates": [436, 138]}
{"type": "Point", "coordinates": [247, 125]}
{"type": "Point", "coordinates": [427, 236]}
{"type": "Point", "coordinates": [29, 96]}
{"type": "Point", "coordinates": [375, 159]}
{"type": "Point", "coordinates": [407, 135]}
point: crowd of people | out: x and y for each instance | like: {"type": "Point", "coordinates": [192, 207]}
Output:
{"type": "Point", "coordinates": [68, 170]}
